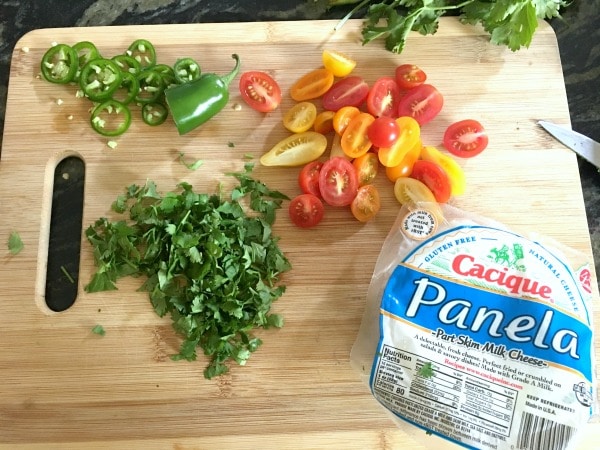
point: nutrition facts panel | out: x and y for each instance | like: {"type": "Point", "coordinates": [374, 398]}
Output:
{"type": "Point", "coordinates": [404, 382]}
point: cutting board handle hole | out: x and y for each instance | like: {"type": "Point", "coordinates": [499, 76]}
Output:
{"type": "Point", "coordinates": [64, 244]}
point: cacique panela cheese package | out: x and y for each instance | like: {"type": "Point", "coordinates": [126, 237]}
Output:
{"type": "Point", "coordinates": [479, 335]}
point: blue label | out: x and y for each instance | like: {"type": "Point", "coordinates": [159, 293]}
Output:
{"type": "Point", "coordinates": [531, 332]}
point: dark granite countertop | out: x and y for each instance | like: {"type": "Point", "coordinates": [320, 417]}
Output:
{"type": "Point", "coordinates": [578, 37]}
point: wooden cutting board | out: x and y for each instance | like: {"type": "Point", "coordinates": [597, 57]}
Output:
{"type": "Point", "coordinates": [63, 386]}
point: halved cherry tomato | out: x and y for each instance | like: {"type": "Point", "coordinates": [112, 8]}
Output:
{"type": "Point", "coordinates": [306, 210]}
{"type": "Point", "coordinates": [336, 148]}
{"type": "Point", "coordinates": [338, 63]}
{"type": "Point", "coordinates": [384, 97]}
{"type": "Point", "coordinates": [260, 91]}
{"type": "Point", "coordinates": [296, 150]}
{"type": "Point", "coordinates": [308, 179]}
{"type": "Point", "coordinates": [384, 131]}
{"type": "Point", "coordinates": [366, 168]}
{"type": "Point", "coordinates": [300, 117]}
{"type": "Point", "coordinates": [338, 182]}
{"type": "Point", "coordinates": [406, 165]}
{"type": "Point", "coordinates": [366, 204]}
{"type": "Point", "coordinates": [434, 177]}
{"type": "Point", "coordinates": [355, 141]}
{"type": "Point", "coordinates": [324, 122]}
{"type": "Point", "coordinates": [343, 117]}
{"type": "Point", "coordinates": [312, 85]}
{"type": "Point", "coordinates": [422, 103]}
{"type": "Point", "coordinates": [465, 138]}
{"type": "Point", "coordinates": [410, 136]}
{"type": "Point", "coordinates": [409, 190]}
{"type": "Point", "coordinates": [349, 91]}
{"type": "Point", "coordinates": [453, 170]}
{"type": "Point", "coordinates": [409, 76]}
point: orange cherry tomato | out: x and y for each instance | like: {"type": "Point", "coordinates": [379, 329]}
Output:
{"type": "Point", "coordinates": [342, 118]}
{"type": "Point", "coordinates": [366, 204]}
{"type": "Point", "coordinates": [324, 122]}
{"type": "Point", "coordinates": [410, 136]}
{"type": "Point", "coordinates": [312, 85]}
{"type": "Point", "coordinates": [404, 169]}
{"type": "Point", "coordinates": [355, 140]}
{"type": "Point", "coordinates": [366, 168]}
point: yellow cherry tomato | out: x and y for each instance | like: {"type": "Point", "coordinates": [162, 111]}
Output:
{"type": "Point", "coordinates": [324, 122]}
{"type": "Point", "coordinates": [410, 136]}
{"type": "Point", "coordinates": [410, 191]}
{"type": "Point", "coordinates": [296, 150]}
{"type": "Point", "coordinates": [300, 117]}
{"type": "Point", "coordinates": [338, 63]}
{"type": "Point", "coordinates": [404, 169]}
{"type": "Point", "coordinates": [456, 175]}
{"type": "Point", "coordinates": [336, 148]}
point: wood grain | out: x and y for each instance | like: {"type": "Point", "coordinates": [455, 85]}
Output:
{"type": "Point", "coordinates": [62, 385]}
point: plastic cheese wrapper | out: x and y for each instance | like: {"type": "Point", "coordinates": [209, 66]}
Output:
{"type": "Point", "coordinates": [478, 334]}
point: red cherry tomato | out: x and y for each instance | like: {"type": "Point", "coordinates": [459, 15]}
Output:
{"type": "Point", "coordinates": [306, 210]}
{"type": "Point", "coordinates": [383, 132]}
{"type": "Point", "coordinates": [409, 76]}
{"type": "Point", "coordinates": [383, 98]}
{"type": "Point", "coordinates": [308, 179]}
{"type": "Point", "coordinates": [349, 91]}
{"type": "Point", "coordinates": [422, 103]}
{"type": "Point", "coordinates": [260, 91]}
{"type": "Point", "coordinates": [466, 138]}
{"type": "Point", "coordinates": [338, 181]}
{"type": "Point", "coordinates": [434, 177]}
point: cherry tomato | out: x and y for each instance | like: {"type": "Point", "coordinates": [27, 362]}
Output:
{"type": "Point", "coordinates": [260, 91]}
{"type": "Point", "coordinates": [366, 204]}
{"type": "Point", "coordinates": [355, 141]}
{"type": "Point", "coordinates": [342, 118]}
{"type": "Point", "coordinates": [308, 179]}
{"type": "Point", "coordinates": [366, 168]}
{"type": "Point", "coordinates": [336, 148]}
{"type": "Point", "coordinates": [434, 177]}
{"type": "Point", "coordinates": [410, 136]}
{"type": "Point", "coordinates": [349, 91]}
{"type": "Point", "coordinates": [466, 138]}
{"type": "Point", "coordinates": [409, 76]}
{"type": "Point", "coordinates": [306, 210]}
{"type": "Point", "coordinates": [384, 97]}
{"type": "Point", "coordinates": [312, 85]}
{"type": "Point", "coordinates": [324, 122]}
{"type": "Point", "coordinates": [338, 63]}
{"type": "Point", "coordinates": [422, 103]}
{"type": "Point", "coordinates": [384, 131]}
{"type": "Point", "coordinates": [409, 190]}
{"type": "Point", "coordinates": [455, 173]}
{"type": "Point", "coordinates": [300, 117]}
{"type": "Point", "coordinates": [406, 165]}
{"type": "Point", "coordinates": [338, 182]}
{"type": "Point", "coordinates": [296, 150]}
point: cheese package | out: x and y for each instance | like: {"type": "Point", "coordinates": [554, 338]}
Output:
{"type": "Point", "coordinates": [479, 335]}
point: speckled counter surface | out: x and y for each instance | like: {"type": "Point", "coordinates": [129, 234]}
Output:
{"type": "Point", "coordinates": [578, 37]}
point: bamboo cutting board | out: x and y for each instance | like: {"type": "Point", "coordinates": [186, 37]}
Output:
{"type": "Point", "coordinates": [65, 387]}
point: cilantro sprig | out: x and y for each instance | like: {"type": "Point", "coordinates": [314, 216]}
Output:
{"type": "Point", "coordinates": [509, 22]}
{"type": "Point", "coordinates": [207, 260]}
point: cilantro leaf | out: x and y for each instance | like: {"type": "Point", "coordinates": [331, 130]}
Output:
{"type": "Point", "coordinates": [208, 262]}
{"type": "Point", "coordinates": [426, 370]}
{"type": "Point", "coordinates": [15, 244]}
{"type": "Point", "coordinates": [99, 329]}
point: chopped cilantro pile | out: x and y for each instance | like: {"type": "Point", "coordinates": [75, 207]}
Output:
{"type": "Point", "coordinates": [208, 261]}
{"type": "Point", "coordinates": [509, 22]}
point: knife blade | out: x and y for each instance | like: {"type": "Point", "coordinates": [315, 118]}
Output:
{"type": "Point", "coordinates": [584, 146]}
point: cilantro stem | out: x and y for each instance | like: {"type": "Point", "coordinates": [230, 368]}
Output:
{"type": "Point", "coordinates": [347, 17]}
{"type": "Point", "coordinates": [67, 274]}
